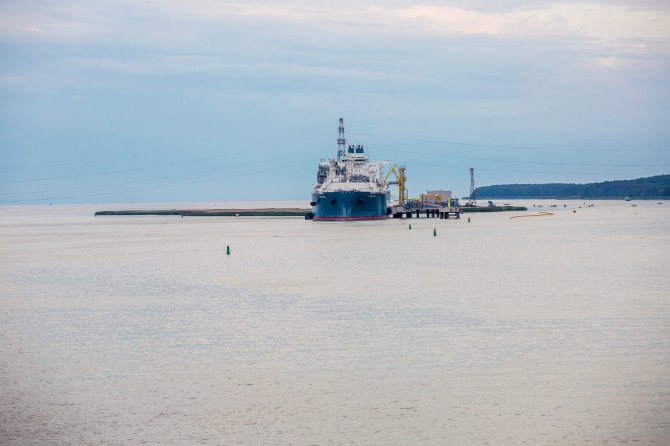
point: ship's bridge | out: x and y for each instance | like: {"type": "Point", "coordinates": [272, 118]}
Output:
{"type": "Point", "coordinates": [356, 152]}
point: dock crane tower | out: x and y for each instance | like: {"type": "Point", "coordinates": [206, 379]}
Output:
{"type": "Point", "coordinates": [472, 201]}
{"type": "Point", "coordinates": [401, 181]}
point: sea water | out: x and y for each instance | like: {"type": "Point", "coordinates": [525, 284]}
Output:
{"type": "Point", "coordinates": [536, 330]}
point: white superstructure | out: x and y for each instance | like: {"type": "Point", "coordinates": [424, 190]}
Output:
{"type": "Point", "coordinates": [351, 170]}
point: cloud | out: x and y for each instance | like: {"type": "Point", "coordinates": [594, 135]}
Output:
{"type": "Point", "coordinates": [595, 20]}
{"type": "Point", "coordinates": [78, 20]}
{"type": "Point", "coordinates": [607, 22]}
{"type": "Point", "coordinates": [449, 19]}
{"type": "Point", "coordinates": [299, 43]}
{"type": "Point", "coordinates": [609, 62]}
{"type": "Point", "coordinates": [39, 26]}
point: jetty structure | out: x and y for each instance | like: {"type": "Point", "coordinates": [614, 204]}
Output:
{"type": "Point", "coordinates": [352, 187]}
{"type": "Point", "coordinates": [436, 204]}
{"type": "Point", "coordinates": [429, 211]}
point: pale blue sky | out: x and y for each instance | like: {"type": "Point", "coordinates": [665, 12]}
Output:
{"type": "Point", "coordinates": [205, 100]}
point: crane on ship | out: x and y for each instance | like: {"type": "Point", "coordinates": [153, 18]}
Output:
{"type": "Point", "coordinates": [400, 180]}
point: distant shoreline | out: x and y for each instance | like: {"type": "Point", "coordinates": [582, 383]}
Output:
{"type": "Point", "coordinates": [648, 188]}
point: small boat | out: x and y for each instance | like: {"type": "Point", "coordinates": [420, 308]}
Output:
{"type": "Point", "coordinates": [626, 198]}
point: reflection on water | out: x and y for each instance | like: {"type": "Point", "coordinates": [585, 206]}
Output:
{"type": "Point", "coordinates": [123, 330]}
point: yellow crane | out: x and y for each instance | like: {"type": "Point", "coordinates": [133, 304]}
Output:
{"type": "Point", "coordinates": [429, 198]}
{"type": "Point", "coordinates": [401, 180]}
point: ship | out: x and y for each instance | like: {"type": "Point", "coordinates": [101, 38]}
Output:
{"type": "Point", "coordinates": [350, 186]}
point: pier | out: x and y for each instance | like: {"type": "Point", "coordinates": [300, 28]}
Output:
{"type": "Point", "coordinates": [441, 212]}
{"type": "Point", "coordinates": [426, 212]}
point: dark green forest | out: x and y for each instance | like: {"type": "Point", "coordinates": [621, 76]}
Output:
{"type": "Point", "coordinates": [651, 187]}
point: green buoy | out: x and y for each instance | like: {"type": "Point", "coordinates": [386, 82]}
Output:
{"type": "Point", "coordinates": [410, 225]}
{"type": "Point", "coordinates": [468, 219]}
{"type": "Point", "coordinates": [434, 232]}
{"type": "Point", "coordinates": [228, 250]}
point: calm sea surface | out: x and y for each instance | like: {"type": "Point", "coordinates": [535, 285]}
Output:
{"type": "Point", "coordinates": [140, 330]}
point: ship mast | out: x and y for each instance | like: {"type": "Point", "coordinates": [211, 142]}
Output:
{"type": "Point", "coordinates": [340, 141]}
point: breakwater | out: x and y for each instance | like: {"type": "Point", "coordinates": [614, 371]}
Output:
{"type": "Point", "coordinates": [266, 212]}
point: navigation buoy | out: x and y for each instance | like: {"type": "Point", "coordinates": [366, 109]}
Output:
{"type": "Point", "coordinates": [468, 219]}
{"type": "Point", "coordinates": [434, 232]}
{"type": "Point", "coordinates": [410, 225]}
{"type": "Point", "coordinates": [227, 250]}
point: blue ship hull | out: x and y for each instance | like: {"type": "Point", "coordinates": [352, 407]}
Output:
{"type": "Point", "coordinates": [351, 205]}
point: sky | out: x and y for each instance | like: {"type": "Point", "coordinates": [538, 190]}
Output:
{"type": "Point", "coordinates": [117, 101]}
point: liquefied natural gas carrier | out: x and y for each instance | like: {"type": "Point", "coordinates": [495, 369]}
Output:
{"type": "Point", "coordinates": [350, 187]}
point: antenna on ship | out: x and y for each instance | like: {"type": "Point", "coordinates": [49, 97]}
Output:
{"type": "Point", "coordinates": [340, 140]}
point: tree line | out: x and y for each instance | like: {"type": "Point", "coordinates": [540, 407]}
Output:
{"type": "Point", "coordinates": [650, 187]}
